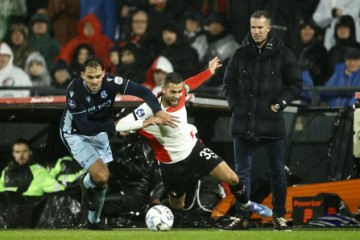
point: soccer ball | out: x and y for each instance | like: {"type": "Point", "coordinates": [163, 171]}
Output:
{"type": "Point", "coordinates": [159, 218]}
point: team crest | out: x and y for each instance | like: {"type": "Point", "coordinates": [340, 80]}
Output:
{"type": "Point", "coordinates": [103, 94]}
{"type": "Point", "coordinates": [140, 112]}
{"type": "Point", "coordinates": [87, 98]}
{"type": "Point", "coordinates": [118, 80]}
{"type": "Point", "coordinates": [72, 103]}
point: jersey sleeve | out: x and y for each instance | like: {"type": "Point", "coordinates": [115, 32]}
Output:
{"type": "Point", "coordinates": [131, 88]}
{"type": "Point", "coordinates": [195, 81]}
{"type": "Point", "coordinates": [134, 120]}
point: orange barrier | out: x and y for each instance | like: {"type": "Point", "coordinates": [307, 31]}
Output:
{"type": "Point", "coordinates": [348, 191]}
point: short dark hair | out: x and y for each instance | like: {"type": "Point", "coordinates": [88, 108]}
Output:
{"type": "Point", "coordinates": [173, 77]}
{"type": "Point", "coordinates": [260, 14]}
{"type": "Point", "coordinates": [93, 62]}
{"type": "Point", "coordinates": [21, 141]}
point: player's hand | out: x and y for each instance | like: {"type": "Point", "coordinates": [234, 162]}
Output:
{"type": "Point", "coordinates": [214, 64]}
{"type": "Point", "coordinates": [168, 119]}
{"type": "Point", "coordinates": [152, 121]}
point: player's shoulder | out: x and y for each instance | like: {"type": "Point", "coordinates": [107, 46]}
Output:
{"type": "Point", "coordinates": [74, 87]}
{"type": "Point", "coordinates": [110, 79]}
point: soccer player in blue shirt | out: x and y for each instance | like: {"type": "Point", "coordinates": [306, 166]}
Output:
{"type": "Point", "coordinates": [86, 120]}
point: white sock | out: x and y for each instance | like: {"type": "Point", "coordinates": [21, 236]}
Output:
{"type": "Point", "coordinates": [87, 182]}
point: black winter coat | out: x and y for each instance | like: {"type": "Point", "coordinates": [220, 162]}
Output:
{"type": "Point", "coordinates": [256, 78]}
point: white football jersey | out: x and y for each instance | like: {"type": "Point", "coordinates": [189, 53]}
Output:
{"type": "Point", "coordinates": [169, 144]}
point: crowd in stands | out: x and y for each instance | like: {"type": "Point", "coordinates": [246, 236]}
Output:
{"type": "Point", "coordinates": [46, 41]}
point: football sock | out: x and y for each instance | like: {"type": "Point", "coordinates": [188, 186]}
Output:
{"type": "Point", "coordinates": [240, 194]}
{"type": "Point", "coordinates": [88, 182]}
{"type": "Point", "coordinates": [94, 216]}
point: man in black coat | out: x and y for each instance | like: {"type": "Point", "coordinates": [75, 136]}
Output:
{"type": "Point", "coordinates": [261, 79]}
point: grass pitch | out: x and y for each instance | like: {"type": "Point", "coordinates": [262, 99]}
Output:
{"type": "Point", "coordinates": [181, 234]}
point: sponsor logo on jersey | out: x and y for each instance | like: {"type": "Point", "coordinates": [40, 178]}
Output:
{"type": "Point", "coordinates": [88, 98]}
{"type": "Point", "coordinates": [72, 103]}
{"type": "Point", "coordinates": [109, 79]}
{"type": "Point", "coordinates": [72, 93]}
{"type": "Point", "coordinates": [118, 80]}
{"type": "Point", "coordinates": [140, 112]}
{"type": "Point", "coordinates": [103, 94]}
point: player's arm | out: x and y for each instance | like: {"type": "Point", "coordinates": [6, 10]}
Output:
{"type": "Point", "coordinates": [195, 81]}
{"type": "Point", "coordinates": [141, 117]}
{"type": "Point", "coordinates": [138, 90]}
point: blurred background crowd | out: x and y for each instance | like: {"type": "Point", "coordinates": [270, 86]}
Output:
{"type": "Point", "coordinates": [44, 42]}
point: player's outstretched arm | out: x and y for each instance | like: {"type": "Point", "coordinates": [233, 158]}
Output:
{"type": "Point", "coordinates": [195, 81]}
{"type": "Point", "coordinates": [214, 64]}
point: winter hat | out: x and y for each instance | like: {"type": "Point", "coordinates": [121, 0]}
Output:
{"type": "Point", "coordinates": [5, 49]}
{"type": "Point", "coordinates": [352, 53]}
{"type": "Point", "coordinates": [38, 17]}
{"type": "Point", "coordinates": [163, 64]}
{"type": "Point", "coordinates": [194, 15]}
{"type": "Point", "coordinates": [216, 17]}
{"type": "Point", "coordinates": [60, 65]}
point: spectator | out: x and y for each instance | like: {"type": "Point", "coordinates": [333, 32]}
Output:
{"type": "Point", "coordinates": [8, 10]}
{"type": "Point", "coordinates": [261, 79]}
{"type": "Point", "coordinates": [115, 55]}
{"type": "Point", "coordinates": [19, 43]}
{"type": "Point", "coordinates": [89, 32]}
{"type": "Point", "coordinates": [181, 55]}
{"type": "Point", "coordinates": [131, 64]}
{"type": "Point", "coordinates": [140, 35]}
{"type": "Point", "coordinates": [35, 67]}
{"type": "Point", "coordinates": [23, 175]}
{"type": "Point", "coordinates": [107, 13]}
{"type": "Point", "coordinates": [346, 74]}
{"type": "Point", "coordinates": [311, 54]}
{"type": "Point", "coordinates": [61, 75]}
{"type": "Point", "coordinates": [345, 36]}
{"type": "Point", "coordinates": [64, 17]}
{"type": "Point", "coordinates": [10, 75]}
{"type": "Point", "coordinates": [221, 43]}
{"type": "Point", "coordinates": [194, 33]}
{"type": "Point", "coordinates": [327, 14]}
{"type": "Point", "coordinates": [82, 51]}
{"type": "Point", "coordinates": [41, 41]}
{"type": "Point", "coordinates": [67, 171]}
{"type": "Point", "coordinates": [155, 75]}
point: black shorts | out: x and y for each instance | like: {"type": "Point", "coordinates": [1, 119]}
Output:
{"type": "Point", "coordinates": [180, 177]}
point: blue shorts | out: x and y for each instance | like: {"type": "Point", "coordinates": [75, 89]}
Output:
{"type": "Point", "coordinates": [87, 149]}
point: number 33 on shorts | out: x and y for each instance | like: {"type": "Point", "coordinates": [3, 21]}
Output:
{"type": "Point", "coordinates": [207, 153]}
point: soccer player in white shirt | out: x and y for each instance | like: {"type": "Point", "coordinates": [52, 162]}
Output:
{"type": "Point", "coordinates": [180, 153]}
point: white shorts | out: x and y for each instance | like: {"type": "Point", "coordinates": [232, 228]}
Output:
{"type": "Point", "coordinates": [87, 149]}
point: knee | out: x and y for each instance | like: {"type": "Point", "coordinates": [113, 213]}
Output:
{"type": "Point", "coordinates": [101, 178]}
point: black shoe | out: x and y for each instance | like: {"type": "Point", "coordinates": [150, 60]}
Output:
{"type": "Point", "coordinates": [280, 224]}
{"type": "Point", "coordinates": [99, 226]}
{"type": "Point", "coordinates": [87, 196]}
{"type": "Point", "coordinates": [237, 224]}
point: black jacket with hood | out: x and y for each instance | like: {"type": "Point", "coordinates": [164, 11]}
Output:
{"type": "Point", "coordinates": [256, 78]}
